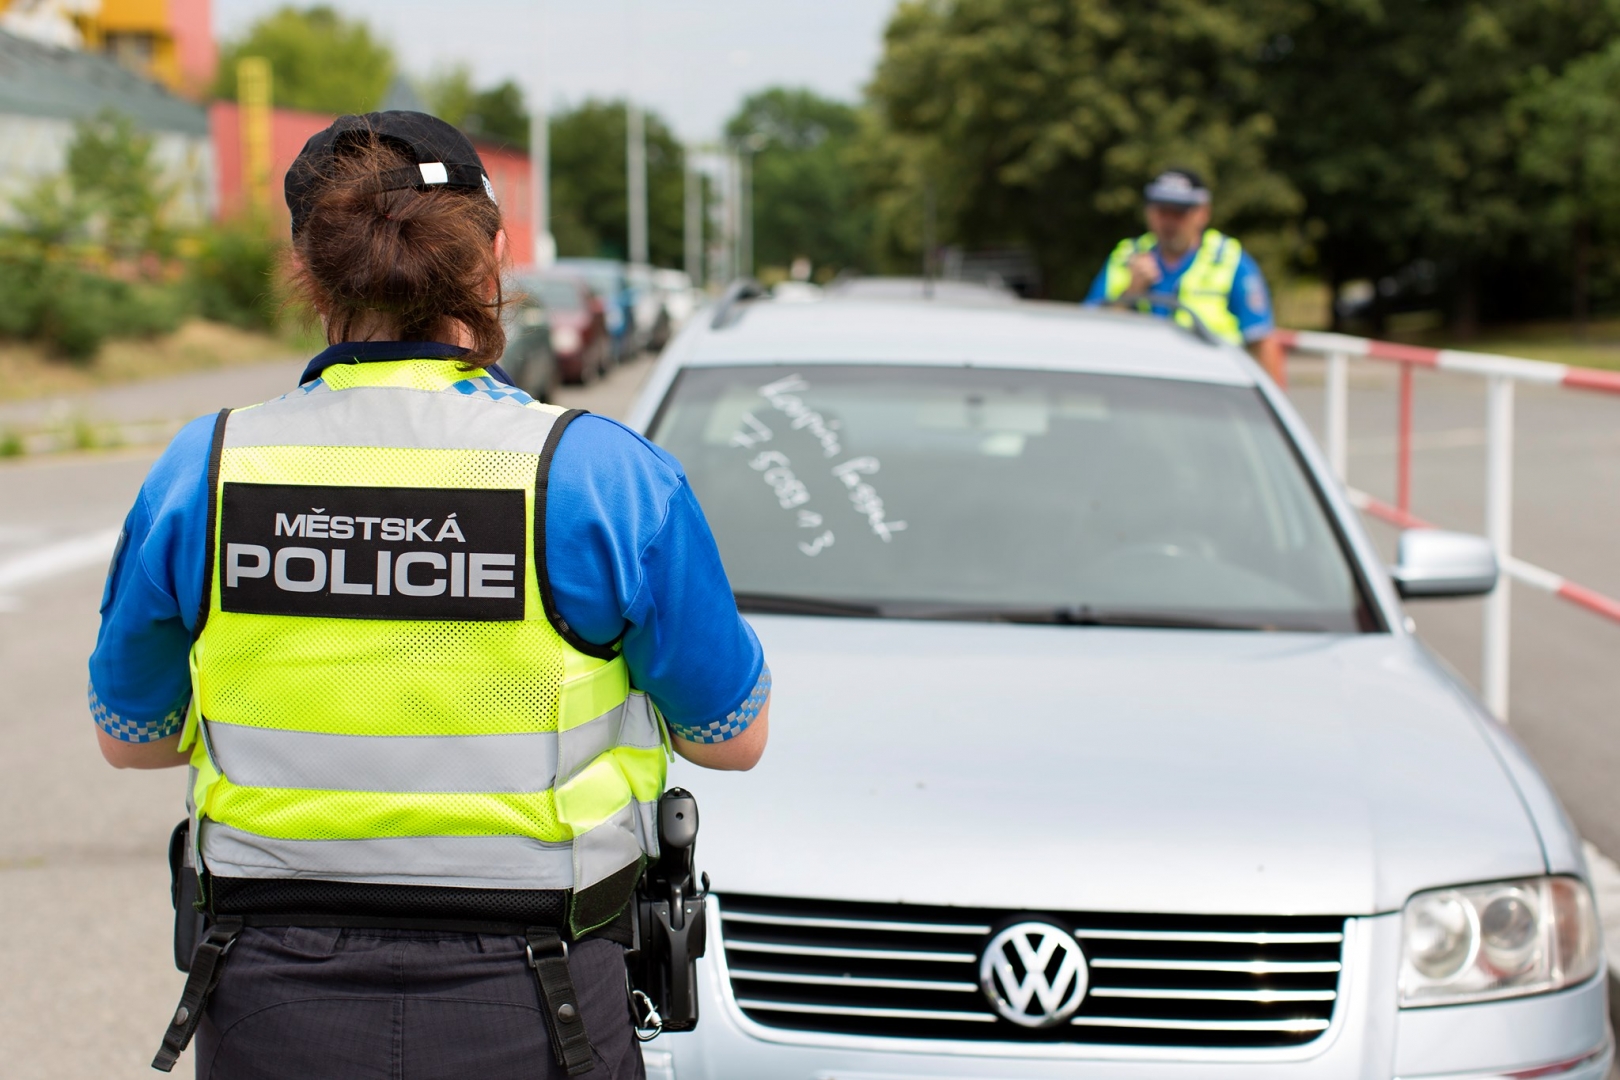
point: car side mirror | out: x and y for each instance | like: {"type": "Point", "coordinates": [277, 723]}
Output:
{"type": "Point", "coordinates": [1432, 563]}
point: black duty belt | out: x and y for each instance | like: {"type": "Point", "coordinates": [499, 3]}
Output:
{"type": "Point", "coordinates": [544, 949]}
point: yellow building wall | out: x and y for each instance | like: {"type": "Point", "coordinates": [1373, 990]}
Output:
{"type": "Point", "coordinates": [136, 32]}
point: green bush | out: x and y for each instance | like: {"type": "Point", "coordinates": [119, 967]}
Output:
{"type": "Point", "coordinates": [71, 309]}
{"type": "Point", "coordinates": [20, 285]}
{"type": "Point", "coordinates": [232, 274]}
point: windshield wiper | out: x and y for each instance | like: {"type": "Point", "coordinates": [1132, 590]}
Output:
{"type": "Point", "coordinates": [788, 604]}
{"type": "Point", "coordinates": [1081, 615]}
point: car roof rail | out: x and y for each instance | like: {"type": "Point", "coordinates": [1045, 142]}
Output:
{"type": "Point", "coordinates": [1199, 328]}
{"type": "Point", "coordinates": [738, 293]}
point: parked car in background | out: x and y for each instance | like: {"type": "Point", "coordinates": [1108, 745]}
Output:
{"type": "Point", "coordinates": [647, 302]}
{"type": "Point", "coordinates": [795, 292]}
{"type": "Point", "coordinates": [579, 338]}
{"type": "Point", "coordinates": [1111, 752]}
{"type": "Point", "coordinates": [860, 287]}
{"type": "Point", "coordinates": [610, 280]}
{"type": "Point", "coordinates": [528, 358]}
{"type": "Point", "coordinates": [680, 297]}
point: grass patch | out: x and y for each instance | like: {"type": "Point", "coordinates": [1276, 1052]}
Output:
{"type": "Point", "coordinates": [27, 370]}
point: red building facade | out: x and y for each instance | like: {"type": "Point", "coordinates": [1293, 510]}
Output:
{"type": "Point", "coordinates": [508, 168]}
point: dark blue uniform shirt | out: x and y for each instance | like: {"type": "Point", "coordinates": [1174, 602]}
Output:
{"type": "Point", "coordinates": [629, 555]}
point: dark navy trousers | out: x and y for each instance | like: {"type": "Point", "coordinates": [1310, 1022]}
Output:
{"type": "Point", "coordinates": [326, 1004]}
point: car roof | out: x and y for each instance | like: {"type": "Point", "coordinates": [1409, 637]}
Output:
{"type": "Point", "coordinates": [916, 288]}
{"type": "Point", "coordinates": [1021, 334]}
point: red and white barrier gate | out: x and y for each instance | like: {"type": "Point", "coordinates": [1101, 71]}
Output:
{"type": "Point", "coordinates": [1502, 374]}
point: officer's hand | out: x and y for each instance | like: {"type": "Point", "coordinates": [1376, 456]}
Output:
{"type": "Point", "coordinates": [1144, 273]}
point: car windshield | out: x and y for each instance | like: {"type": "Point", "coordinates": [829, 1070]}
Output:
{"type": "Point", "coordinates": [1027, 496]}
{"type": "Point", "coordinates": [554, 293]}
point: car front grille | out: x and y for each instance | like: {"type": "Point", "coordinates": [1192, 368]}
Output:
{"type": "Point", "coordinates": [907, 971]}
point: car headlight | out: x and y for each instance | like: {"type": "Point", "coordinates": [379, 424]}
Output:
{"type": "Point", "coordinates": [1506, 939]}
{"type": "Point", "coordinates": [564, 339]}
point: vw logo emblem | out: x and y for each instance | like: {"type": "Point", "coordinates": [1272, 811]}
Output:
{"type": "Point", "coordinates": [1034, 974]}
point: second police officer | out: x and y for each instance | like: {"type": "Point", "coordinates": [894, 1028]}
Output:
{"type": "Point", "coordinates": [1206, 270]}
{"type": "Point", "coordinates": [413, 633]}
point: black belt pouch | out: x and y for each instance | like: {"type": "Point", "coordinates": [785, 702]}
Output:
{"type": "Point", "coordinates": [184, 889]}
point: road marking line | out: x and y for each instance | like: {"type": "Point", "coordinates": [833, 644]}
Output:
{"type": "Point", "coordinates": [1606, 885]}
{"type": "Point", "coordinates": [62, 557]}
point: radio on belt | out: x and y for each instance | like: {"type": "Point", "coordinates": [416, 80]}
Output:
{"type": "Point", "coordinates": [671, 932]}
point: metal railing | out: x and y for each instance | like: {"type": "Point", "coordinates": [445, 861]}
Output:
{"type": "Point", "coordinates": [1502, 374]}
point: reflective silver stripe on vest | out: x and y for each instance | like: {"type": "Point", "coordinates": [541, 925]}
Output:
{"type": "Point", "coordinates": [608, 848]}
{"type": "Point", "coordinates": [647, 822]}
{"type": "Point", "coordinates": [277, 758]}
{"type": "Point", "coordinates": [630, 724]}
{"type": "Point", "coordinates": [474, 862]}
{"type": "Point", "coordinates": [392, 416]}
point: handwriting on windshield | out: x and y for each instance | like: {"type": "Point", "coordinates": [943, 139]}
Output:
{"type": "Point", "coordinates": [801, 416]}
{"type": "Point", "coordinates": [778, 470]}
{"type": "Point", "coordinates": [865, 498]}
{"type": "Point", "coordinates": [818, 545]}
{"type": "Point", "coordinates": [751, 432]}
{"type": "Point", "coordinates": [791, 493]}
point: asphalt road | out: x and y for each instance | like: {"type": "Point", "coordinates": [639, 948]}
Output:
{"type": "Point", "coordinates": [86, 978]}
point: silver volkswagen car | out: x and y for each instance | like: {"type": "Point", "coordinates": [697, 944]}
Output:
{"type": "Point", "coordinates": [1101, 745]}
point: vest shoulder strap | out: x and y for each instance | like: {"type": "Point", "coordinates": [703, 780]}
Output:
{"type": "Point", "coordinates": [216, 450]}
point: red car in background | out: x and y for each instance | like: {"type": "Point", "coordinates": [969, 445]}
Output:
{"type": "Point", "coordinates": [579, 333]}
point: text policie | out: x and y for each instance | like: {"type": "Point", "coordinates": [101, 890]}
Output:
{"type": "Point", "coordinates": [405, 553]}
{"type": "Point", "coordinates": [469, 573]}
{"type": "Point", "coordinates": [791, 492]}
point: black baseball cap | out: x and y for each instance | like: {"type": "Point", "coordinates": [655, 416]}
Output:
{"type": "Point", "coordinates": [1177, 187]}
{"type": "Point", "coordinates": [444, 157]}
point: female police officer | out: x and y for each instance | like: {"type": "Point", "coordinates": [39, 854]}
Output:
{"type": "Point", "coordinates": [404, 624]}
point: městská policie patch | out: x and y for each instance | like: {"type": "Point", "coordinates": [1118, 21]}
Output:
{"type": "Point", "coordinates": [373, 553]}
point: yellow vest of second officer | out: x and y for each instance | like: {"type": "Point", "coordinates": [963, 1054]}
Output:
{"type": "Point", "coordinates": [1206, 287]}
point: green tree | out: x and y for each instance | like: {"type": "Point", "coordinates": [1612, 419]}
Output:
{"type": "Point", "coordinates": [497, 113]}
{"type": "Point", "coordinates": [807, 199]}
{"type": "Point", "coordinates": [105, 212]}
{"type": "Point", "coordinates": [589, 207]}
{"type": "Point", "coordinates": [1035, 123]}
{"type": "Point", "coordinates": [120, 185]}
{"type": "Point", "coordinates": [1571, 144]}
{"type": "Point", "coordinates": [1396, 123]}
{"type": "Point", "coordinates": [113, 196]}
{"type": "Point", "coordinates": [319, 60]}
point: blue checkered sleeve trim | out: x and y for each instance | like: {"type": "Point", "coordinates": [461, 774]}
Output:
{"type": "Point", "coordinates": [485, 386]}
{"type": "Point", "coordinates": [134, 731]}
{"type": "Point", "coordinates": [735, 723]}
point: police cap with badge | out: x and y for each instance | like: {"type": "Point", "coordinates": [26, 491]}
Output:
{"type": "Point", "coordinates": [1177, 187]}
{"type": "Point", "coordinates": [444, 157]}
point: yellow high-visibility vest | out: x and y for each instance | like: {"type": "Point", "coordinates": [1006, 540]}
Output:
{"type": "Point", "coordinates": [385, 704]}
{"type": "Point", "coordinates": [1206, 287]}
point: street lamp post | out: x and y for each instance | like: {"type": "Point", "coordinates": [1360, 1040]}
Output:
{"type": "Point", "coordinates": [742, 159]}
{"type": "Point", "coordinates": [545, 245]}
{"type": "Point", "coordinates": [636, 179]}
{"type": "Point", "coordinates": [694, 216]}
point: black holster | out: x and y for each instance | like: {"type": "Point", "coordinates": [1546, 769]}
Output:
{"type": "Point", "coordinates": [185, 890]}
{"type": "Point", "coordinates": [671, 932]}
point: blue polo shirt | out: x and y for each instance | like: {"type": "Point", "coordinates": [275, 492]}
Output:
{"type": "Point", "coordinates": [1250, 300]}
{"type": "Point", "coordinates": [629, 556]}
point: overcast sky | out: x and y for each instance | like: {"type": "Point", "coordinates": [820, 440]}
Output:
{"type": "Point", "coordinates": [690, 60]}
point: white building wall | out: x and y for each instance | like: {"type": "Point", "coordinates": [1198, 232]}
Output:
{"type": "Point", "coordinates": [34, 147]}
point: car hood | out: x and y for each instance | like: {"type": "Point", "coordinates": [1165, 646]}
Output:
{"type": "Point", "coordinates": [1085, 768]}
